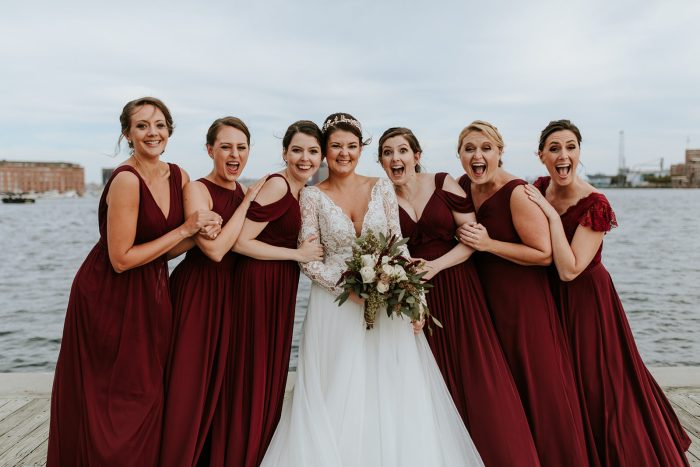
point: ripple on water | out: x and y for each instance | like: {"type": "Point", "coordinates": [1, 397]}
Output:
{"type": "Point", "coordinates": [653, 258]}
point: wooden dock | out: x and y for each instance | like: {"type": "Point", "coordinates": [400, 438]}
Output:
{"type": "Point", "coordinates": [25, 398]}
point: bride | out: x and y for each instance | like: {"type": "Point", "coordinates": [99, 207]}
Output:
{"type": "Point", "coordinates": [362, 397]}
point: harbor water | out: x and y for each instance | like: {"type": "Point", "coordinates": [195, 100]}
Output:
{"type": "Point", "coordinates": [653, 257]}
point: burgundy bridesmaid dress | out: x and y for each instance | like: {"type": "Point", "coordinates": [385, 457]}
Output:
{"type": "Point", "coordinates": [107, 399]}
{"type": "Point", "coordinates": [631, 419]}
{"type": "Point", "coordinates": [264, 293]}
{"type": "Point", "coordinates": [526, 320]}
{"type": "Point", "coordinates": [467, 348]}
{"type": "Point", "coordinates": [202, 305]}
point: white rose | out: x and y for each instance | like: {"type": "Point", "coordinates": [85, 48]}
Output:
{"type": "Point", "coordinates": [382, 286]}
{"type": "Point", "coordinates": [400, 273]}
{"type": "Point", "coordinates": [385, 259]}
{"type": "Point", "coordinates": [368, 261]}
{"type": "Point", "coordinates": [367, 274]}
{"type": "Point", "coordinates": [388, 269]}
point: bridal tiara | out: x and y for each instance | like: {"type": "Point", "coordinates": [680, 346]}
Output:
{"type": "Point", "coordinates": [341, 119]}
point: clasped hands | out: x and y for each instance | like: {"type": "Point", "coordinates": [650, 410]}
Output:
{"type": "Point", "coordinates": [474, 235]}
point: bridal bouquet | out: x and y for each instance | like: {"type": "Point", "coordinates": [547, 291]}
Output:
{"type": "Point", "coordinates": [378, 272]}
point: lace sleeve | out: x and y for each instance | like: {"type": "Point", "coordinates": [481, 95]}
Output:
{"type": "Point", "coordinates": [391, 209]}
{"type": "Point", "coordinates": [317, 271]}
{"type": "Point", "coordinates": [599, 216]}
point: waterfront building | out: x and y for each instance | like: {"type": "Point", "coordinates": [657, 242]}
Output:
{"type": "Point", "coordinates": [687, 175]}
{"type": "Point", "coordinates": [40, 177]}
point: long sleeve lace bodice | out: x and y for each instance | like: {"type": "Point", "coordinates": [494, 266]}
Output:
{"type": "Point", "coordinates": [320, 216]}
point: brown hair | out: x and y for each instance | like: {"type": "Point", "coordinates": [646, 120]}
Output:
{"type": "Point", "coordinates": [558, 125]}
{"type": "Point", "coordinates": [133, 106]}
{"type": "Point", "coordinates": [306, 127]}
{"type": "Point", "coordinates": [219, 123]}
{"type": "Point", "coordinates": [489, 130]}
{"type": "Point", "coordinates": [407, 134]}
{"type": "Point", "coordinates": [339, 121]}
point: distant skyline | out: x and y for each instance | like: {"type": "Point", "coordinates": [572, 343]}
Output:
{"type": "Point", "coordinates": [68, 69]}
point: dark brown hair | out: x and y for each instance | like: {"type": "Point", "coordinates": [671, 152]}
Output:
{"type": "Point", "coordinates": [306, 127]}
{"type": "Point", "coordinates": [219, 123]}
{"type": "Point", "coordinates": [133, 106]}
{"type": "Point", "coordinates": [339, 121]}
{"type": "Point", "coordinates": [407, 134]}
{"type": "Point", "coordinates": [558, 125]}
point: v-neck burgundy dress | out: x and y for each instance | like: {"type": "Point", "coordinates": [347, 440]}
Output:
{"type": "Point", "coordinates": [630, 417]}
{"type": "Point", "coordinates": [203, 306]}
{"type": "Point", "coordinates": [264, 294]}
{"type": "Point", "coordinates": [467, 348]}
{"type": "Point", "coordinates": [107, 399]}
{"type": "Point", "coordinates": [526, 321]}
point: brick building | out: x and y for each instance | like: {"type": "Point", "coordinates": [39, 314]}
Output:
{"type": "Point", "coordinates": [40, 177]}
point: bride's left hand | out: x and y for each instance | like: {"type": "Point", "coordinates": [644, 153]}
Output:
{"type": "Point", "coordinates": [418, 325]}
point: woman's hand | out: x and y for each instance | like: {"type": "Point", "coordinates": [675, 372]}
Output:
{"type": "Point", "coordinates": [253, 190]}
{"type": "Point", "coordinates": [309, 250]}
{"type": "Point", "coordinates": [429, 267]}
{"type": "Point", "coordinates": [536, 197]}
{"type": "Point", "coordinates": [418, 325]}
{"type": "Point", "coordinates": [475, 236]}
{"type": "Point", "coordinates": [356, 298]}
{"type": "Point", "coordinates": [200, 220]}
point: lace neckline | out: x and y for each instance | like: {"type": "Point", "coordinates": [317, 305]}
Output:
{"type": "Point", "coordinates": [345, 216]}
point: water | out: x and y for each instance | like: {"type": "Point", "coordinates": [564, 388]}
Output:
{"type": "Point", "coordinates": [653, 257]}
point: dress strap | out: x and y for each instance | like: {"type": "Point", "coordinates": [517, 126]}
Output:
{"type": "Point", "coordinates": [275, 210]}
{"type": "Point", "coordinates": [454, 202]}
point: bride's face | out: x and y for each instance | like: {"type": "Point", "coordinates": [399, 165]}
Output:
{"type": "Point", "coordinates": [343, 150]}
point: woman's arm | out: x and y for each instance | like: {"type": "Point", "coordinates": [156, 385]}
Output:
{"type": "Point", "coordinates": [197, 197]}
{"type": "Point", "coordinates": [317, 271]}
{"type": "Point", "coordinates": [272, 191]}
{"type": "Point", "coordinates": [532, 228]}
{"type": "Point", "coordinates": [122, 217]}
{"type": "Point", "coordinates": [570, 260]}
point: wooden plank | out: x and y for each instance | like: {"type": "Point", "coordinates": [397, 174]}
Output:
{"type": "Point", "coordinates": [38, 455]}
{"type": "Point", "coordinates": [25, 436]}
{"type": "Point", "coordinates": [690, 423]}
{"type": "Point", "coordinates": [694, 397]}
{"type": "Point", "coordinates": [694, 448]}
{"type": "Point", "coordinates": [27, 410]}
{"type": "Point", "coordinates": [8, 409]}
{"type": "Point", "coordinates": [683, 401]}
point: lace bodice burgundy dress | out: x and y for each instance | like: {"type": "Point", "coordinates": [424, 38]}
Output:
{"type": "Point", "coordinates": [630, 417]}
{"type": "Point", "coordinates": [362, 397]}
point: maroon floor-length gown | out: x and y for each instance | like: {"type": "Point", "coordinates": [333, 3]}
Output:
{"type": "Point", "coordinates": [631, 419]}
{"type": "Point", "coordinates": [107, 399]}
{"type": "Point", "coordinates": [525, 317]}
{"type": "Point", "coordinates": [202, 294]}
{"type": "Point", "coordinates": [467, 348]}
{"type": "Point", "coordinates": [261, 340]}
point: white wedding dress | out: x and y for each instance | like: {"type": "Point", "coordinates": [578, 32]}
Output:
{"type": "Point", "coordinates": [362, 397]}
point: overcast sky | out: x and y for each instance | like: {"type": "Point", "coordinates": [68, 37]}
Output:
{"type": "Point", "coordinates": [67, 69]}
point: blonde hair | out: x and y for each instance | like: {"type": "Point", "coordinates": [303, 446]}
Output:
{"type": "Point", "coordinates": [486, 128]}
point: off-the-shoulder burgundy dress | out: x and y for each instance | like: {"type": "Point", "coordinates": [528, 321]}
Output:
{"type": "Point", "coordinates": [526, 321]}
{"type": "Point", "coordinates": [261, 340]}
{"type": "Point", "coordinates": [107, 399]}
{"type": "Point", "coordinates": [467, 348]}
{"type": "Point", "coordinates": [202, 304]}
{"type": "Point", "coordinates": [630, 417]}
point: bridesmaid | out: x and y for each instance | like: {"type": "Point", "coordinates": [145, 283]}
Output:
{"type": "Point", "coordinates": [632, 422]}
{"type": "Point", "coordinates": [201, 295]}
{"type": "Point", "coordinates": [107, 399]}
{"type": "Point", "coordinates": [431, 206]}
{"type": "Point", "coordinates": [512, 240]}
{"type": "Point", "coordinates": [265, 281]}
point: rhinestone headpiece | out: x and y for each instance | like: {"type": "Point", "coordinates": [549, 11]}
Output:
{"type": "Point", "coordinates": [341, 119]}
